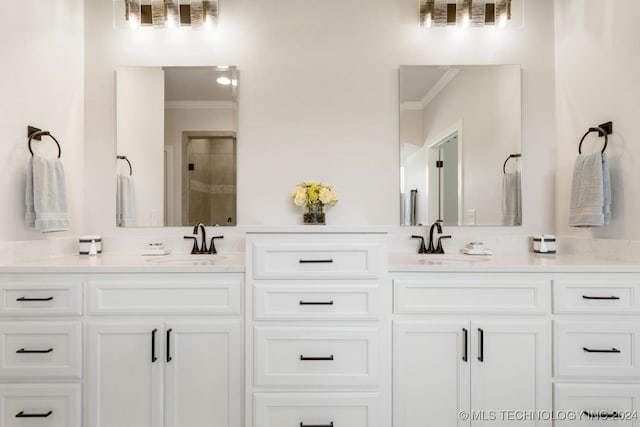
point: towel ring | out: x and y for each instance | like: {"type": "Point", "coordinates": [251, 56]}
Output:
{"type": "Point", "coordinates": [127, 160]}
{"type": "Point", "coordinates": [511, 156]}
{"type": "Point", "coordinates": [40, 133]}
{"type": "Point", "coordinates": [601, 132]}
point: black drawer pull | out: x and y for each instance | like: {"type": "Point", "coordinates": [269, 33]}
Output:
{"type": "Point", "coordinates": [169, 358]}
{"type": "Point", "coordinates": [21, 414]}
{"type": "Point", "coordinates": [23, 299]}
{"type": "Point", "coordinates": [590, 350]}
{"type": "Point", "coordinates": [23, 351]}
{"type": "Point", "coordinates": [600, 298]}
{"type": "Point", "coordinates": [153, 346]}
{"type": "Point", "coordinates": [316, 358]}
{"type": "Point", "coordinates": [481, 345]}
{"type": "Point", "coordinates": [600, 414]}
{"type": "Point", "coordinates": [316, 261]}
{"type": "Point", "coordinates": [465, 339]}
{"type": "Point", "coordinates": [316, 425]}
{"type": "Point", "coordinates": [316, 302]}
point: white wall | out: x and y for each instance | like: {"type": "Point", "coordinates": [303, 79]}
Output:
{"type": "Point", "coordinates": [318, 99]}
{"type": "Point", "coordinates": [41, 46]}
{"type": "Point", "coordinates": [597, 73]}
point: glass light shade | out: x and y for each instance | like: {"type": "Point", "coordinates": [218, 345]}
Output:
{"type": "Point", "coordinates": [158, 13]}
{"type": "Point", "coordinates": [426, 13]}
{"type": "Point", "coordinates": [210, 13]}
{"type": "Point", "coordinates": [440, 13]}
{"type": "Point", "coordinates": [172, 13]}
{"type": "Point", "coordinates": [463, 13]}
{"type": "Point", "coordinates": [197, 14]}
{"type": "Point", "coordinates": [501, 13]}
{"type": "Point", "coordinates": [133, 13]}
{"type": "Point", "coordinates": [478, 10]}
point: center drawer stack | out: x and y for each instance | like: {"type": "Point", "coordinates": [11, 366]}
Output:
{"type": "Point", "coordinates": [316, 340]}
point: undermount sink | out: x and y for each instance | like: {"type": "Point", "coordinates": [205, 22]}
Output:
{"type": "Point", "coordinates": [188, 260]}
{"type": "Point", "coordinates": [442, 259]}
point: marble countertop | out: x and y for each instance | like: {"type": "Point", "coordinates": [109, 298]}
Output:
{"type": "Point", "coordinates": [132, 263]}
{"type": "Point", "coordinates": [529, 262]}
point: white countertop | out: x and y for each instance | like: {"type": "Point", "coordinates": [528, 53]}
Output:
{"type": "Point", "coordinates": [133, 263]}
{"type": "Point", "coordinates": [535, 263]}
{"type": "Point", "coordinates": [398, 262]}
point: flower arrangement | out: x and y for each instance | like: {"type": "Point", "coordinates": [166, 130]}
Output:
{"type": "Point", "coordinates": [313, 197]}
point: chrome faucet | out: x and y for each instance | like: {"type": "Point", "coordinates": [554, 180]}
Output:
{"type": "Point", "coordinates": [203, 247]}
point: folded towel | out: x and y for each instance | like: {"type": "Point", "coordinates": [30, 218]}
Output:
{"type": "Point", "coordinates": [126, 214]}
{"type": "Point", "coordinates": [46, 195]}
{"type": "Point", "coordinates": [590, 191]}
{"type": "Point", "coordinates": [511, 198]}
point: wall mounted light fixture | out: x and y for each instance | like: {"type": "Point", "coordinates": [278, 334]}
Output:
{"type": "Point", "coordinates": [168, 13]}
{"type": "Point", "coordinates": [464, 13]}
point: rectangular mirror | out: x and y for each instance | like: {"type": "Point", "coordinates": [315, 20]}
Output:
{"type": "Point", "coordinates": [176, 145]}
{"type": "Point", "coordinates": [460, 145]}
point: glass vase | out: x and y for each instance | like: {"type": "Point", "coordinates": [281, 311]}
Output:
{"type": "Point", "coordinates": [313, 214]}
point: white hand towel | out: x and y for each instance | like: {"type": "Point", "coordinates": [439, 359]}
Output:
{"type": "Point", "coordinates": [126, 214]}
{"type": "Point", "coordinates": [511, 198]}
{"type": "Point", "coordinates": [590, 191]}
{"type": "Point", "coordinates": [46, 195]}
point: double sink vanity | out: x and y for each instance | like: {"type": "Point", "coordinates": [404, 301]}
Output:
{"type": "Point", "coordinates": [319, 327]}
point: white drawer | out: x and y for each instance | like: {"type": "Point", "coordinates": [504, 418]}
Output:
{"type": "Point", "coordinates": [40, 405]}
{"type": "Point", "coordinates": [40, 349]}
{"type": "Point", "coordinates": [331, 302]}
{"type": "Point", "coordinates": [198, 293]}
{"type": "Point", "coordinates": [596, 297]}
{"type": "Point", "coordinates": [316, 409]}
{"type": "Point", "coordinates": [493, 296]}
{"type": "Point", "coordinates": [32, 298]}
{"type": "Point", "coordinates": [597, 404]}
{"type": "Point", "coordinates": [317, 261]}
{"type": "Point", "coordinates": [597, 349]}
{"type": "Point", "coordinates": [316, 356]}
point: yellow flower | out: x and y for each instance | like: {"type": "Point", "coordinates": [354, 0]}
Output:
{"type": "Point", "coordinates": [326, 195]}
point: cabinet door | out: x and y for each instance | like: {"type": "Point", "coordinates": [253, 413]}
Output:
{"type": "Point", "coordinates": [125, 374]}
{"type": "Point", "coordinates": [511, 372]}
{"type": "Point", "coordinates": [203, 374]}
{"type": "Point", "coordinates": [431, 373]}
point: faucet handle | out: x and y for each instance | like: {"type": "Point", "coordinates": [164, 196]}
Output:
{"type": "Point", "coordinates": [194, 250]}
{"type": "Point", "coordinates": [439, 248]}
{"type": "Point", "coordinates": [212, 248]}
{"type": "Point", "coordinates": [422, 249]}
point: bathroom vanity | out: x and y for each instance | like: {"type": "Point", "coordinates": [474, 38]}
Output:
{"type": "Point", "coordinates": [319, 327]}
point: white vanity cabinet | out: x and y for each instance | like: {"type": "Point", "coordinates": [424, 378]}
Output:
{"type": "Point", "coordinates": [317, 333]}
{"type": "Point", "coordinates": [165, 350]}
{"type": "Point", "coordinates": [467, 346]}
{"type": "Point", "coordinates": [40, 350]}
{"type": "Point", "coordinates": [597, 349]}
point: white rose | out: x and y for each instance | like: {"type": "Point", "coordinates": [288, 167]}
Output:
{"type": "Point", "coordinates": [334, 197]}
{"type": "Point", "coordinates": [299, 196]}
{"type": "Point", "coordinates": [325, 195]}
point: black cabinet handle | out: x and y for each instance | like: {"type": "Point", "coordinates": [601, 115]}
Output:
{"type": "Point", "coordinates": [465, 352]}
{"type": "Point", "coordinates": [21, 414]}
{"type": "Point", "coordinates": [24, 299]}
{"type": "Point", "coordinates": [316, 358]}
{"type": "Point", "coordinates": [601, 414]}
{"type": "Point", "coordinates": [605, 298]}
{"type": "Point", "coordinates": [23, 351]}
{"type": "Point", "coordinates": [480, 345]}
{"type": "Point", "coordinates": [590, 350]}
{"type": "Point", "coordinates": [316, 261]}
{"type": "Point", "coordinates": [153, 345]}
{"type": "Point", "coordinates": [169, 358]}
{"type": "Point", "coordinates": [316, 302]}
{"type": "Point", "coordinates": [316, 425]}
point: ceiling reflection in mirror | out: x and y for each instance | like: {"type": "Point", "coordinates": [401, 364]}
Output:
{"type": "Point", "coordinates": [460, 145]}
{"type": "Point", "coordinates": [176, 145]}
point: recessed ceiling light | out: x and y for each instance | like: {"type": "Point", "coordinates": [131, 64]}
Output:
{"type": "Point", "coordinates": [225, 81]}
